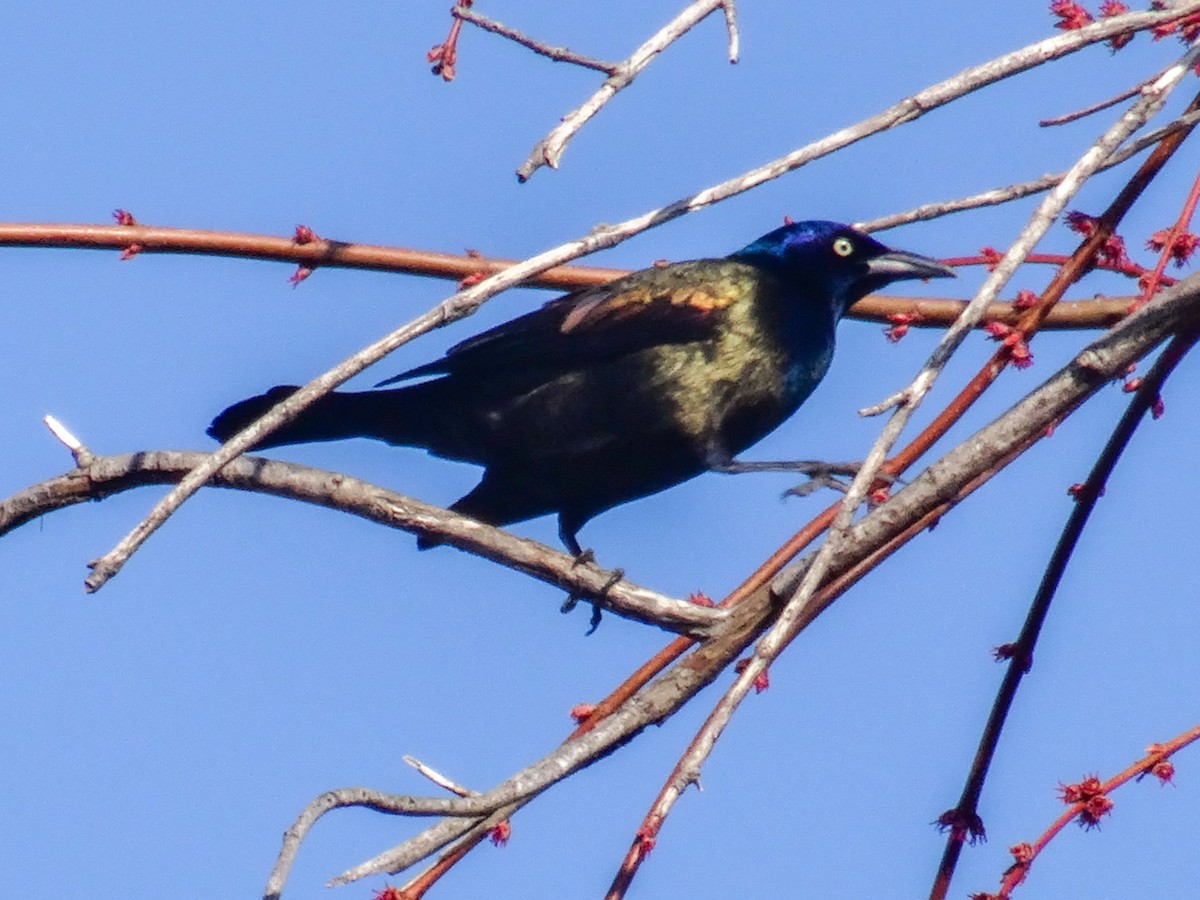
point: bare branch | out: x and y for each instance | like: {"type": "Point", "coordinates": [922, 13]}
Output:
{"type": "Point", "coordinates": [729, 7]}
{"type": "Point", "coordinates": [107, 475]}
{"type": "Point", "coordinates": [997, 196]}
{"type": "Point", "coordinates": [1095, 107]}
{"type": "Point", "coordinates": [438, 778]}
{"type": "Point", "coordinates": [83, 456]}
{"type": "Point", "coordinates": [930, 312]}
{"type": "Point", "coordinates": [549, 150]}
{"type": "Point", "coordinates": [558, 54]}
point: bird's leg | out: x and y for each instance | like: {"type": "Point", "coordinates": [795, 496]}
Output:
{"type": "Point", "coordinates": [567, 531]}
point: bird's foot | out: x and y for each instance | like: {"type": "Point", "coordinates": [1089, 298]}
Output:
{"type": "Point", "coordinates": [820, 474]}
{"type": "Point", "coordinates": [583, 557]}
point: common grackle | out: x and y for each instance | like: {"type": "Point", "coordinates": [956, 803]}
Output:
{"type": "Point", "coordinates": [617, 391]}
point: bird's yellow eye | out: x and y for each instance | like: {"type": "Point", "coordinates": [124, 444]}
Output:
{"type": "Point", "coordinates": [843, 246]}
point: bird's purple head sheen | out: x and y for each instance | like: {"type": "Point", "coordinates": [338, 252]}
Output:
{"type": "Point", "coordinates": [835, 262]}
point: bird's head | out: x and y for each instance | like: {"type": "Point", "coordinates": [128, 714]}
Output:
{"type": "Point", "coordinates": [837, 262]}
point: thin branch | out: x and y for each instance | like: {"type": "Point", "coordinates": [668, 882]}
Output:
{"type": "Point", "coordinates": [729, 8]}
{"type": "Point", "coordinates": [997, 196]}
{"type": "Point", "coordinates": [558, 54]}
{"type": "Point", "coordinates": [549, 150]}
{"type": "Point", "coordinates": [1095, 107]}
{"type": "Point", "coordinates": [438, 778]}
{"type": "Point", "coordinates": [104, 476]}
{"type": "Point", "coordinates": [1182, 223]}
{"type": "Point", "coordinates": [344, 798]}
{"type": "Point", "coordinates": [82, 455]}
{"type": "Point", "coordinates": [930, 312]}
{"type": "Point", "coordinates": [1153, 763]}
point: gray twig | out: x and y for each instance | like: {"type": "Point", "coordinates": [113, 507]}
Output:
{"type": "Point", "coordinates": [997, 196]}
{"type": "Point", "coordinates": [558, 54]}
{"type": "Point", "coordinates": [549, 150]}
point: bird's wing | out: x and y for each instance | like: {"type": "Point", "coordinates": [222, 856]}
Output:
{"type": "Point", "coordinates": [673, 304]}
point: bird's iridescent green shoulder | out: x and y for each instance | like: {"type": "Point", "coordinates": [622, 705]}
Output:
{"type": "Point", "coordinates": [670, 304]}
{"type": "Point", "coordinates": [685, 295]}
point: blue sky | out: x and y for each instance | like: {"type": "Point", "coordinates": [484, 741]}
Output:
{"type": "Point", "coordinates": [162, 733]}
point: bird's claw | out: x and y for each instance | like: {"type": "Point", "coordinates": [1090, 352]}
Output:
{"type": "Point", "coordinates": [833, 475]}
{"type": "Point", "coordinates": [820, 474]}
{"type": "Point", "coordinates": [583, 558]}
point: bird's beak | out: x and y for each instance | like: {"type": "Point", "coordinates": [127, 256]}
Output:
{"type": "Point", "coordinates": [896, 265]}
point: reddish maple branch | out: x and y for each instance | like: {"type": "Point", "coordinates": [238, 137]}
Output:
{"type": "Point", "coordinates": [930, 312]}
{"type": "Point", "coordinates": [1092, 802]}
{"type": "Point", "coordinates": [1176, 243]}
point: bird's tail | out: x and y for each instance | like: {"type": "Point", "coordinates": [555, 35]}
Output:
{"type": "Point", "coordinates": [405, 416]}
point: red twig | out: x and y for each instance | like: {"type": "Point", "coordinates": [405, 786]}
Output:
{"type": "Point", "coordinates": [1176, 243]}
{"type": "Point", "coordinates": [1089, 800]}
{"type": "Point", "coordinates": [444, 56]}
{"type": "Point", "coordinates": [989, 257]}
{"type": "Point", "coordinates": [310, 251]}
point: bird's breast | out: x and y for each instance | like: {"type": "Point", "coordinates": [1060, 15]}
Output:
{"type": "Point", "coordinates": [729, 393]}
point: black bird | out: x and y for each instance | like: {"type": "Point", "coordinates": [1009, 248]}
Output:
{"type": "Point", "coordinates": [617, 391]}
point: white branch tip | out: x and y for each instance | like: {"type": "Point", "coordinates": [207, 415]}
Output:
{"type": "Point", "coordinates": [81, 453]}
